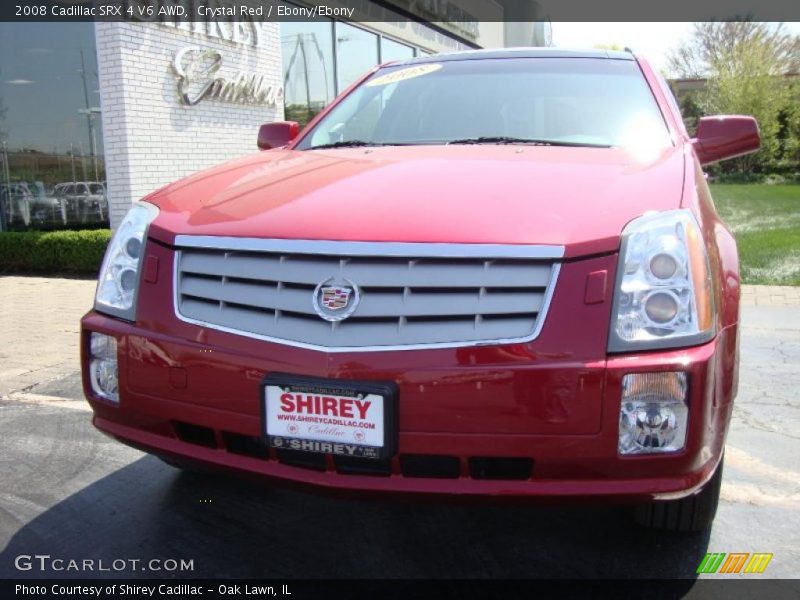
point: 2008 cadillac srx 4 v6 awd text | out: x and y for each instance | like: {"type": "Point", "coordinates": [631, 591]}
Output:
{"type": "Point", "coordinates": [491, 273]}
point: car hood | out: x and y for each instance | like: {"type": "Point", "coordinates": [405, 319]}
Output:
{"type": "Point", "coordinates": [577, 197]}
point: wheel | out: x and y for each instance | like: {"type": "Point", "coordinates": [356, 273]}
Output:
{"type": "Point", "coordinates": [693, 513]}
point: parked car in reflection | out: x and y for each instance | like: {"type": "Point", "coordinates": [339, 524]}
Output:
{"type": "Point", "coordinates": [47, 208]}
{"type": "Point", "coordinates": [85, 201]}
{"type": "Point", "coordinates": [15, 203]}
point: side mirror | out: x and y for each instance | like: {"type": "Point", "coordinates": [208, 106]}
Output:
{"type": "Point", "coordinates": [275, 135]}
{"type": "Point", "coordinates": [723, 137]}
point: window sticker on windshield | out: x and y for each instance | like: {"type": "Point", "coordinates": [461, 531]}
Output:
{"type": "Point", "coordinates": [404, 74]}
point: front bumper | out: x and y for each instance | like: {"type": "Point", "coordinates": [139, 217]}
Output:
{"type": "Point", "coordinates": [198, 401]}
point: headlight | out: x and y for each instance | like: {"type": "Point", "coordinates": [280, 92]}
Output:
{"type": "Point", "coordinates": [118, 283]}
{"type": "Point", "coordinates": [664, 296]}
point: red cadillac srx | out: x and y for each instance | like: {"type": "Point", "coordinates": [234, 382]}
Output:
{"type": "Point", "coordinates": [491, 273]}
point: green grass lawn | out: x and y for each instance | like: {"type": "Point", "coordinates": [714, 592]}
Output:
{"type": "Point", "coordinates": [766, 222]}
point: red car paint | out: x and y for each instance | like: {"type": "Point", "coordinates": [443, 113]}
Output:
{"type": "Point", "coordinates": [331, 195]}
{"type": "Point", "coordinates": [554, 400]}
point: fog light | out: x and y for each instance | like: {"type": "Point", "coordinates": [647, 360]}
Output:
{"type": "Point", "coordinates": [103, 372]}
{"type": "Point", "coordinates": [653, 413]}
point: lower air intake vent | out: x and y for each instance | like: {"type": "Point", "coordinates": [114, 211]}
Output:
{"type": "Point", "coordinates": [500, 468]}
{"type": "Point", "coordinates": [440, 467]}
{"type": "Point", "coordinates": [354, 465]}
{"type": "Point", "coordinates": [195, 434]}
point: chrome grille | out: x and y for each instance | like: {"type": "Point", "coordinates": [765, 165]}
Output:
{"type": "Point", "coordinates": [411, 295]}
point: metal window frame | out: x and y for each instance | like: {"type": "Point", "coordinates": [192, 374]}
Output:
{"type": "Point", "coordinates": [367, 250]}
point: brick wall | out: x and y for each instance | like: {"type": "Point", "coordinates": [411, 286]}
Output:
{"type": "Point", "coordinates": [150, 137]}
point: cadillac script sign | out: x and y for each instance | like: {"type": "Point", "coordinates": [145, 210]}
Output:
{"type": "Point", "coordinates": [199, 79]}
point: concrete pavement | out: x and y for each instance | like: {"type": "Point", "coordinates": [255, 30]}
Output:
{"type": "Point", "coordinates": [39, 330]}
{"type": "Point", "coordinates": [770, 295]}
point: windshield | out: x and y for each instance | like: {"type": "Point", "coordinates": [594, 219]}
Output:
{"type": "Point", "coordinates": [573, 101]}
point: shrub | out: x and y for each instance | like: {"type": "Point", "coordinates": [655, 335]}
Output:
{"type": "Point", "coordinates": [53, 252]}
{"type": "Point", "coordinates": [756, 178]}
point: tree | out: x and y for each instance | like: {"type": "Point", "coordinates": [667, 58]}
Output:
{"type": "Point", "coordinates": [750, 69]}
{"type": "Point", "coordinates": [711, 43]}
{"type": "Point", "coordinates": [790, 129]}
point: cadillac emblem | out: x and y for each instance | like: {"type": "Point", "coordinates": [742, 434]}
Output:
{"type": "Point", "coordinates": [336, 300]}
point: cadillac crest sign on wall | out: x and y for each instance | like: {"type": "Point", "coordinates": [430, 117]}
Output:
{"type": "Point", "coordinates": [198, 79]}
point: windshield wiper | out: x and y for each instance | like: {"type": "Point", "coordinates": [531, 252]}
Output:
{"type": "Point", "coordinates": [502, 139]}
{"type": "Point", "coordinates": [346, 144]}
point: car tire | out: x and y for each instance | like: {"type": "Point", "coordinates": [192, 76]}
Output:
{"type": "Point", "coordinates": [693, 513]}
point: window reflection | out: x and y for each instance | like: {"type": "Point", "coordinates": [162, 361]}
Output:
{"type": "Point", "coordinates": [356, 53]}
{"type": "Point", "coordinates": [391, 50]}
{"type": "Point", "coordinates": [308, 74]}
{"type": "Point", "coordinates": [50, 127]}
{"type": "Point", "coordinates": [311, 79]}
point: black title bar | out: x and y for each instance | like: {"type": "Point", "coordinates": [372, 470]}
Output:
{"type": "Point", "coordinates": [383, 589]}
{"type": "Point", "coordinates": [450, 11]}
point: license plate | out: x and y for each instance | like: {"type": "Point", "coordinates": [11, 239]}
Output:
{"type": "Point", "coordinates": [330, 416]}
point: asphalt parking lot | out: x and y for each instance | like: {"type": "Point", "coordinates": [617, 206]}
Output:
{"type": "Point", "coordinates": [69, 492]}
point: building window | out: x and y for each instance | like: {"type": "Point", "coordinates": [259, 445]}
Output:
{"type": "Point", "coordinates": [312, 77]}
{"type": "Point", "coordinates": [51, 140]}
{"type": "Point", "coordinates": [308, 72]}
{"type": "Point", "coordinates": [391, 50]}
{"type": "Point", "coordinates": [356, 53]}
